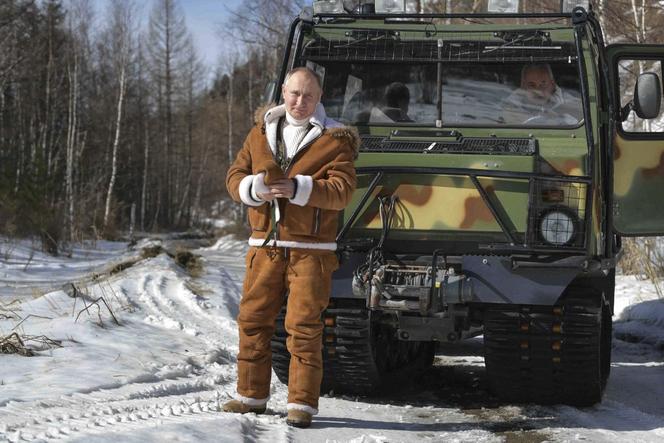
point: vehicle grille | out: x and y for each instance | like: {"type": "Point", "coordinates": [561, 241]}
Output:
{"type": "Point", "coordinates": [470, 145]}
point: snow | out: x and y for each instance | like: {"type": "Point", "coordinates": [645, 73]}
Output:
{"type": "Point", "coordinates": [164, 371]}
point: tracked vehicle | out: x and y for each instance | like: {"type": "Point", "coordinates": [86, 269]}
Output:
{"type": "Point", "coordinates": [484, 205]}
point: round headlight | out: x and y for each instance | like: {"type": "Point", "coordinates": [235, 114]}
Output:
{"type": "Point", "coordinates": [557, 227]}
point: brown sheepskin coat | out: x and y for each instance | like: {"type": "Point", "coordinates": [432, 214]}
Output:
{"type": "Point", "coordinates": [324, 172]}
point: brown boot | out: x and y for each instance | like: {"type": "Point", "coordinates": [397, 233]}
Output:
{"type": "Point", "coordinates": [299, 419]}
{"type": "Point", "coordinates": [237, 407]}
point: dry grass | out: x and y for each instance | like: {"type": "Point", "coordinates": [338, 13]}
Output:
{"type": "Point", "coordinates": [16, 344]}
{"type": "Point", "coordinates": [122, 266]}
{"type": "Point", "coordinates": [191, 262]}
{"type": "Point", "coordinates": [151, 251]}
{"type": "Point", "coordinates": [644, 258]}
{"type": "Point", "coordinates": [13, 344]}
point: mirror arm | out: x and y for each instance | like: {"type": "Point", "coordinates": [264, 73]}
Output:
{"type": "Point", "coordinates": [625, 110]}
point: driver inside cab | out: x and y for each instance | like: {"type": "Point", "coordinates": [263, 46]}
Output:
{"type": "Point", "coordinates": [539, 100]}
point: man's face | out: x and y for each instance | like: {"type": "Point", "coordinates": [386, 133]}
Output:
{"type": "Point", "coordinates": [301, 95]}
{"type": "Point", "coordinates": [539, 85]}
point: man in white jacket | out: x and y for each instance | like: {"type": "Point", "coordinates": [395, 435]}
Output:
{"type": "Point", "coordinates": [540, 101]}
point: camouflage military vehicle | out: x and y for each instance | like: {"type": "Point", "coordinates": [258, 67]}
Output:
{"type": "Point", "coordinates": [485, 204]}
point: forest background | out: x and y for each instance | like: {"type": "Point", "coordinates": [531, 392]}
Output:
{"type": "Point", "coordinates": [109, 126]}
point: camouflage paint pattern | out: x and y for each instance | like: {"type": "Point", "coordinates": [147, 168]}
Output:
{"type": "Point", "coordinates": [437, 202]}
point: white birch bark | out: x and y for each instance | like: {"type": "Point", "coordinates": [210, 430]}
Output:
{"type": "Point", "coordinates": [146, 154]}
{"type": "Point", "coordinates": [71, 143]}
{"type": "Point", "coordinates": [229, 112]}
{"type": "Point", "coordinates": [116, 143]}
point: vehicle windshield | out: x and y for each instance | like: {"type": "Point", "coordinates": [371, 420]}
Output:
{"type": "Point", "coordinates": [473, 94]}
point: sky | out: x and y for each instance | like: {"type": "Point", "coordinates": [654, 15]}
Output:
{"type": "Point", "coordinates": [203, 20]}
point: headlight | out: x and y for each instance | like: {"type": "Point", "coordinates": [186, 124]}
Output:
{"type": "Point", "coordinates": [569, 5]}
{"type": "Point", "coordinates": [503, 6]}
{"type": "Point", "coordinates": [557, 227]}
{"type": "Point", "coordinates": [328, 7]}
{"type": "Point", "coordinates": [390, 6]}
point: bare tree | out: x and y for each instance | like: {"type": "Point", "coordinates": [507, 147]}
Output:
{"type": "Point", "coordinates": [121, 28]}
{"type": "Point", "coordinates": [193, 74]}
{"type": "Point", "coordinates": [167, 46]}
{"type": "Point", "coordinates": [262, 22]}
{"type": "Point", "coordinates": [80, 18]}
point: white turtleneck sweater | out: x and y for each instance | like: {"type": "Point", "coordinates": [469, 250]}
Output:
{"type": "Point", "coordinates": [293, 132]}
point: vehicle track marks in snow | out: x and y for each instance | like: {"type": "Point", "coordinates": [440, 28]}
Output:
{"type": "Point", "coordinates": [93, 413]}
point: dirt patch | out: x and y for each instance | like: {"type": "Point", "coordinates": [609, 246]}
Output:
{"type": "Point", "coordinates": [151, 251]}
{"type": "Point", "coordinates": [191, 262]}
{"type": "Point", "coordinates": [122, 266]}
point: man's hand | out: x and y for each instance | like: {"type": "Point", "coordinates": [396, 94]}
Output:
{"type": "Point", "coordinates": [282, 188]}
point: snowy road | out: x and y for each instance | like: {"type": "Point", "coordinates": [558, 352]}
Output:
{"type": "Point", "coordinates": [164, 371]}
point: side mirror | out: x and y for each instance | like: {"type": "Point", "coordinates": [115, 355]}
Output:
{"type": "Point", "coordinates": [647, 95]}
{"type": "Point", "coordinates": [268, 93]}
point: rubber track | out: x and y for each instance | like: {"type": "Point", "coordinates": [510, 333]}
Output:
{"type": "Point", "coordinates": [546, 355]}
{"type": "Point", "coordinates": [348, 363]}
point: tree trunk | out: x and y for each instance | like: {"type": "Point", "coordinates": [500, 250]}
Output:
{"type": "Point", "coordinates": [146, 153]}
{"type": "Point", "coordinates": [116, 143]}
{"type": "Point", "coordinates": [71, 143]}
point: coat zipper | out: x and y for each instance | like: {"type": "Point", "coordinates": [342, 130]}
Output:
{"type": "Point", "coordinates": [300, 151]}
{"type": "Point", "coordinates": [316, 228]}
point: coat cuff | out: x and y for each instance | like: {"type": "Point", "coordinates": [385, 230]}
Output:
{"type": "Point", "coordinates": [246, 192]}
{"type": "Point", "coordinates": [258, 186]}
{"type": "Point", "coordinates": [305, 184]}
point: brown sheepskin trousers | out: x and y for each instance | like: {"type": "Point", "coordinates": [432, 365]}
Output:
{"type": "Point", "coordinates": [306, 276]}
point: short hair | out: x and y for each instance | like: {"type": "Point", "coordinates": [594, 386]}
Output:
{"type": "Point", "coordinates": [304, 69]}
{"type": "Point", "coordinates": [396, 93]}
{"type": "Point", "coordinates": [536, 67]}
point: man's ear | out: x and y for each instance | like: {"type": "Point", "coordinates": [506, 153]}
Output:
{"type": "Point", "coordinates": [283, 91]}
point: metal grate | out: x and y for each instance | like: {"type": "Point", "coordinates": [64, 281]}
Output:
{"type": "Point", "coordinates": [467, 145]}
{"type": "Point", "coordinates": [557, 214]}
{"type": "Point", "coordinates": [371, 142]}
{"type": "Point", "coordinates": [391, 46]}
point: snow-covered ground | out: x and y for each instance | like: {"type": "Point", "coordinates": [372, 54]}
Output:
{"type": "Point", "coordinates": [163, 372]}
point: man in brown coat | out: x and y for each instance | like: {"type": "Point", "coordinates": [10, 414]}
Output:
{"type": "Point", "coordinates": [295, 173]}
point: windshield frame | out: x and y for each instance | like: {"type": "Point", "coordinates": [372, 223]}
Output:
{"type": "Point", "coordinates": [309, 34]}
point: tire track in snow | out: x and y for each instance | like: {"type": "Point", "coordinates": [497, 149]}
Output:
{"type": "Point", "coordinates": [127, 408]}
{"type": "Point", "coordinates": [182, 393]}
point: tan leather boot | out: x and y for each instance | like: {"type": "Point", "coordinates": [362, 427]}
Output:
{"type": "Point", "coordinates": [237, 407]}
{"type": "Point", "coordinates": [299, 419]}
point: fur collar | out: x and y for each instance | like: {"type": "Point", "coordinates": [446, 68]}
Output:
{"type": "Point", "coordinates": [259, 115]}
{"type": "Point", "coordinates": [269, 112]}
{"type": "Point", "coordinates": [349, 134]}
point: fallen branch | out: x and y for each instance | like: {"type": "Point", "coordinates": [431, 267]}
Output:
{"type": "Point", "coordinates": [49, 343]}
{"type": "Point", "coordinates": [96, 303]}
{"type": "Point", "coordinates": [27, 317]}
{"type": "Point", "coordinates": [12, 344]}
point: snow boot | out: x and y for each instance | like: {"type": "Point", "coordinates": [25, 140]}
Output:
{"type": "Point", "coordinates": [298, 418]}
{"type": "Point", "coordinates": [237, 407]}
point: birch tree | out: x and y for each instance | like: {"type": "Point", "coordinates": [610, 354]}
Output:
{"type": "Point", "coordinates": [121, 28]}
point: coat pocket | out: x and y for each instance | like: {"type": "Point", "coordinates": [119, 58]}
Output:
{"type": "Point", "coordinates": [328, 263]}
{"type": "Point", "coordinates": [259, 218]}
{"type": "Point", "coordinates": [300, 220]}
